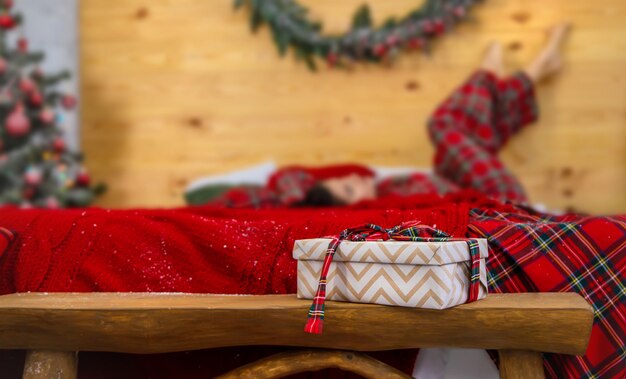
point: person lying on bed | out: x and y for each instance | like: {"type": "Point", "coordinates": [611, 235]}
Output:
{"type": "Point", "coordinates": [468, 130]}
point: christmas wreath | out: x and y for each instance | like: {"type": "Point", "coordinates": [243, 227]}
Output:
{"type": "Point", "coordinates": [291, 27]}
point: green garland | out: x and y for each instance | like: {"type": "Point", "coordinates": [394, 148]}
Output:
{"type": "Point", "coordinates": [291, 27]}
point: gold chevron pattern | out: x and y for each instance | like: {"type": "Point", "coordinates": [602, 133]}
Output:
{"type": "Point", "coordinates": [372, 281]}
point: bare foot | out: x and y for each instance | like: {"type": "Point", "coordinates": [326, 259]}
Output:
{"type": "Point", "coordinates": [492, 61]}
{"type": "Point", "coordinates": [549, 62]}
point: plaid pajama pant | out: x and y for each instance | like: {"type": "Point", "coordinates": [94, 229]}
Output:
{"type": "Point", "coordinates": [530, 251]}
{"type": "Point", "coordinates": [468, 130]}
{"type": "Point", "coordinates": [473, 124]}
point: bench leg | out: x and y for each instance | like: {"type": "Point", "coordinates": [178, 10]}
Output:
{"type": "Point", "coordinates": [521, 364]}
{"type": "Point", "coordinates": [295, 362]}
{"type": "Point", "coordinates": [42, 364]}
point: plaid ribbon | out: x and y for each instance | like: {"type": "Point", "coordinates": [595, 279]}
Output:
{"type": "Point", "coordinates": [407, 231]}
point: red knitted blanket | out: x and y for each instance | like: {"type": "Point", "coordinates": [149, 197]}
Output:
{"type": "Point", "coordinates": [205, 250]}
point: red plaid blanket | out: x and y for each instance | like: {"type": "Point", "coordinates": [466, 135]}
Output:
{"type": "Point", "coordinates": [542, 253]}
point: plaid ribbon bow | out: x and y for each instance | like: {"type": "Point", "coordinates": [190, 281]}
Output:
{"type": "Point", "coordinates": [407, 231]}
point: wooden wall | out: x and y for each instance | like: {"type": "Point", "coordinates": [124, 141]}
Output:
{"type": "Point", "coordinates": [175, 90]}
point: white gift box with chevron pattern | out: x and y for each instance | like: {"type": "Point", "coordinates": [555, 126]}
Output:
{"type": "Point", "coordinates": [434, 275]}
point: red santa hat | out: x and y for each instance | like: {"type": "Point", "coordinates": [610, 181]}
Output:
{"type": "Point", "coordinates": [292, 183]}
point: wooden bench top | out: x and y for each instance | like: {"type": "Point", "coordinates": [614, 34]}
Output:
{"type": "Point", "coordinates": [167, 322]}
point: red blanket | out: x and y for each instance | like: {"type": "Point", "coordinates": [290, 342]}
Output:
{"type": "Point", "coordinates": [182, 250]}
{"type": "Point", "coordinates": [243, 251]}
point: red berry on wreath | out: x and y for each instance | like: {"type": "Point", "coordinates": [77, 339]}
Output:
{"type": "Point", "coordinates": [380, 50]}
{"type": "Point", "coordinates": [332, 59]}
{"type": "Point", "coordinates": [6, 21]}
{"type": "Point", "coordinates": [22, 44]}
{"type": "Point", "coordinates": [428, 27]}
{"type": "Point", "coordinates": [415, 43]}
{"type": "Point", "coordinates": [58, 145]}
{"type": "Point", "coordinates": [439, 27]}
{"type": "Point", "coordinates": [17, 124]}
{"type": "Point", "coordinates": [392, 40]}
{"type": "Point", "coordinates": [68, 101]}
{"type": "Point", "coordinates": [459, 12]}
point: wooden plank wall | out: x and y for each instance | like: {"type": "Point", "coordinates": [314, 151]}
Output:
{"type": "Point", "coordinates": [175, 90]}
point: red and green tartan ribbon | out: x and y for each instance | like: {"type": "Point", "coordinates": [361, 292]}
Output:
{"type": "Point", "coordinates": [407, 231]}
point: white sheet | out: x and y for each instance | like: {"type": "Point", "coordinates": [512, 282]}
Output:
{"type": "Point", "coordinates": [450, 363]}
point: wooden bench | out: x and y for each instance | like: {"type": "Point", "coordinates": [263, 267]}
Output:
{"type": "Point", "coordinates": [53, 327]}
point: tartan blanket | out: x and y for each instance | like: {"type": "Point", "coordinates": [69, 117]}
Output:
{"type": "Point", "coordinates": [532, 252]}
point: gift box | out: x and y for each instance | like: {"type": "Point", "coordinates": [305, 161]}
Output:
{"type": "Point", "coordinates": [434, 275]}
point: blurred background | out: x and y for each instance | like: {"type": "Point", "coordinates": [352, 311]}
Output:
{"type": "Point", "coordinates": [52, 27]}
{"type": "Point", "coordinates": [171, 91]}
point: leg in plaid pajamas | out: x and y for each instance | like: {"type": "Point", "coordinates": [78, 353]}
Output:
{"type": "Point", "coordinates": [474, 123]}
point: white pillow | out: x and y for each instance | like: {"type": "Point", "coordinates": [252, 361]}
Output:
{"type": "Point", "coordinates": [258, 174]}
{"type": "Point", "coordinates": [384, 172]}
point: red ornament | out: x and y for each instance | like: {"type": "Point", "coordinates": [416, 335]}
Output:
{"type": "Point", "coordinates": [28, 193]}
{"type": "Point", "coordinates": [83, 179]}
{"type": "Point", "coordinates": [46, 116]}
{"type": "Point", "coordinates": [68, 101]}
{"type": "Point", "coordinates": [36, 99]}
{"type": "Point", "coordinates": [27, 85]}
{"type": "Point", "coordinates": [33, 177]}
{"type": "Point", "coordinates": [6, 21]}
{"type": "Point", "coordinates": [380, 50]}
{"type": "Point", "coordinates": [52, 203]}
{"type": "Point", "coordinates": [22, 44]}
{"type": "Point", "coordinates": [58, 144]}
{"type": "Point", "coordinates": [17, 124]}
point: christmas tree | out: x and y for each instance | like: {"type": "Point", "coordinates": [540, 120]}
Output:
{"type": "Point", "coordinates": [36, 167]}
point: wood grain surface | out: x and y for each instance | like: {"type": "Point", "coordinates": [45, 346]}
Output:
{"type": "Point", "coordinates": [520, 364]}
{"type": "Point", "coordinates": [176, 90]}
{"type": "Point", "coordinates": [153, 323]}
{"type": "Point", "coordinates": [294, 362]}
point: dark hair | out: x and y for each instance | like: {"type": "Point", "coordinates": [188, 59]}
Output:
{"type": "Point", "coordinates": [320, 196]}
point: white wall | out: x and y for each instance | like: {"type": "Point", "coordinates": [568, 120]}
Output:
{"type": "Point", "coordinates": [51, 26]}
